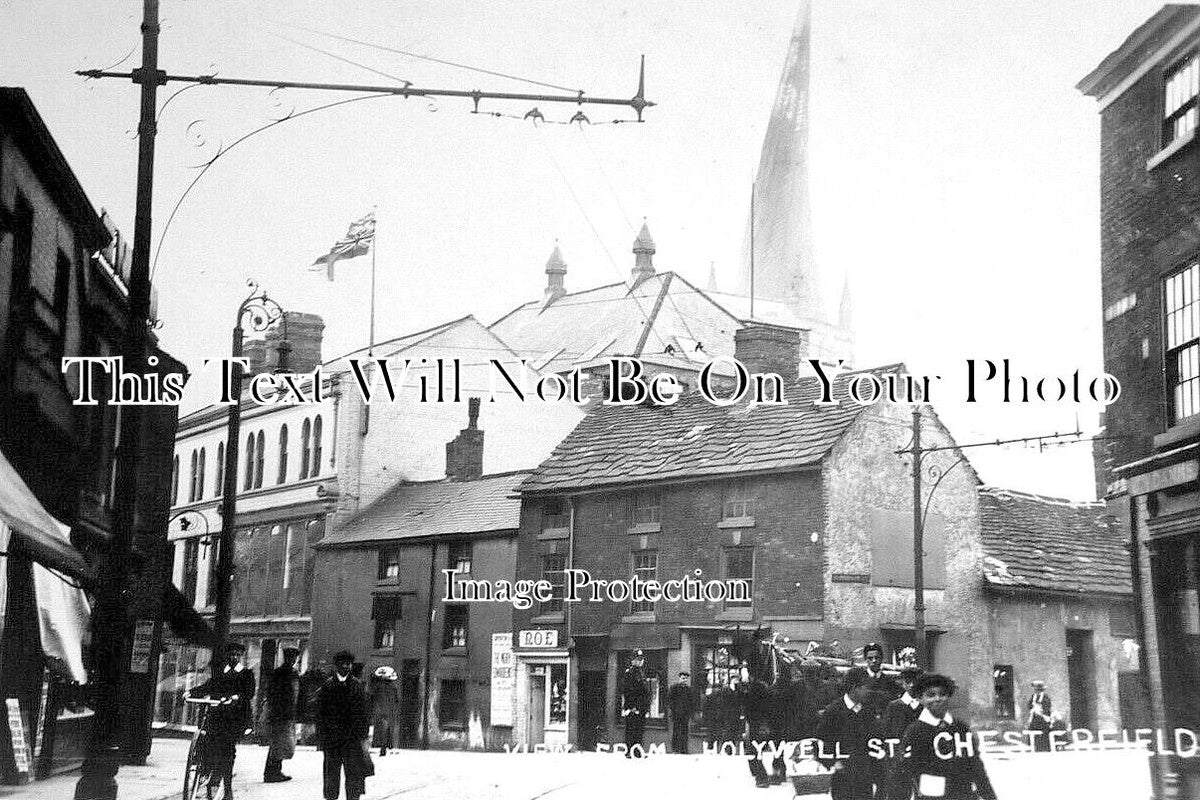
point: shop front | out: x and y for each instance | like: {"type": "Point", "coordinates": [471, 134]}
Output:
{"type": "Point", "coordinates": [544, 701]}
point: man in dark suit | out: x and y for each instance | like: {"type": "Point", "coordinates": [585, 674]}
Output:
{"type": "Point", "coordinates": [233, 685]}
{"type": "Point", "coordinates": [1039, 708]}
{"type": "Point", "coordinates": [933, 762]}
{"type": "Point", "coordinates": [279, 716]}
{"type": "Point", "coordinates": [881, 689]}
{"type": "Point", "coordinates": [843, 733]}
{"type": "Point", "coordinates": [635, 703]}
{"type": "Point", "coordinates": [342, 724]}
{"type": "Point", "coordinates": [681, 702]}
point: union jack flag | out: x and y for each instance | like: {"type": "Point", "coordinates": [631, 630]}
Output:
{"type": "Point", "coordinates": [357, 242]}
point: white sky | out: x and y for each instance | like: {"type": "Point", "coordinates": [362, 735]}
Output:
{"type": "Point", "coordinates": [954, 168]}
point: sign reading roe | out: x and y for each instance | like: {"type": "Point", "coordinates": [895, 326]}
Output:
{"type": "Point", "coordinates": [538, 638]}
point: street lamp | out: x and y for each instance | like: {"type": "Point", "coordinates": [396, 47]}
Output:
{"type": "Point", "coordinates": [260, 312]}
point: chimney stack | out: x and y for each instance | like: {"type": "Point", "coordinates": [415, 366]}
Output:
{"type": "Point", "coordinates": [556, 270]}
{"type": "Point", "coordinates": [464, 453]}
{"type": "Point", "coordinates": [643, 250]}
{"type": "Point", "coordinates": [769, 348]}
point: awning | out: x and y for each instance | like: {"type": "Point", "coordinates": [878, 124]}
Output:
{"type": "Point", "coordinates": [63, 617]}
{"type": "Point", "coordinates": [185, 621]}
{"type": "Point", "coordinates": [35, 532]}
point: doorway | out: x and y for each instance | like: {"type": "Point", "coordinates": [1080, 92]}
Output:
{"type": "Point", "coordinates": [592, 686]}
{"type": "Point", "coordinates": [1081, 678]}
{"type": "Point", "coordinates": [410, 704]}
{"type": "Point", "coordinates": [537, 706]}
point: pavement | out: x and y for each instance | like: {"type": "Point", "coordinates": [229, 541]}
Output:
{"type": "Point", "coordinates": [454, 775]}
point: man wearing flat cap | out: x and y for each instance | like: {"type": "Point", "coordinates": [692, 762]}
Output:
{"type": "Point", "coordinates": [635, 703]}
{"type": "Point", "coordinates": [681, 702]}
{"type": "Point", "coordinates": [343, 720]}
{"type": "Point", "coordinates": [233, 685]}
{"type": "Point", "coordinates": [933, 762]}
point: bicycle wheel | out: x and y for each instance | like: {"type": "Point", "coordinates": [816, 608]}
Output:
{"type": "Point", "coordinates": [191, 771]}
{"type": "Point", "coordinates": [199, 783]}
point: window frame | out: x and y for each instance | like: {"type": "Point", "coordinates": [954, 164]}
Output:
{"type": "Point", "coordinates": [555, 604]}
{"type": "Point", "coordinates": [737, 492]}
{"type": "Point", "coordinates": [281, 474]}
{"type": "Point", "coordinates": [454, 555]}
{"type": "Point", "coordinates": [1181, 320]}
{"type": "Point", "coordinates": [219, 484]}
{"type": "Point", "coordinates": [646, 572]}
{"type": "Point", "coordinates": [451, 639]}
{"type": "Point", "coordinates": [639, 504]}
{"type": "Point", "coordinates": [726, 576]}
{"type": "Point", "coordinates": [385, 565]}
{"type": "Point", "coordinates": [1188, 105]}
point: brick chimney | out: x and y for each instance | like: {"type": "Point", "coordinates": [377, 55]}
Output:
{"type": "Point", "coordinates": [643, 251]}
{"type": "Point", "coordinates": [464, 453]}
{"type": "Point", "coordinates": [556, 270]}
{"type": "Point", "coordinates": [769, 348]}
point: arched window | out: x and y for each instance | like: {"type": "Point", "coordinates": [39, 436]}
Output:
{"type": "Point", "coordinates": [200, 476]}
{"type": "Point", "coordinates": [283, 436]}
{"type": "Point", "coordinates": [175, 481]}
{"type": "Point", "coordinates": [315, 469]}
{"type": "Point", "coordinates": [248, 481]}
{"type": "Point", "coordinates": [219, 485]}
{"type": "Point", "coordinates": [192, 478]}
{"type": "Point", "coordinates": [259, 455]}
{"type": "Point", "coordinates": [305, 448]}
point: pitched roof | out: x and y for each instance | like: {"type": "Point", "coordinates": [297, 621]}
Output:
{"type": "Point", "coordinates": [1050, 544]}
{"type": "Point", "coordinates": [435, 508]}
{"type": "Point", "coordinates": [623, 445]}
{"type": "Point", "coordinates": [663, 315]}
{"type": "Point", "coordinates": [1138, 47]}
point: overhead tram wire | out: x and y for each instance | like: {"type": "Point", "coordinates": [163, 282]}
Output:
{"type": "Point", "coordinates": [421, 57]}
{"type": "Point", "coordinates": [336, 57]}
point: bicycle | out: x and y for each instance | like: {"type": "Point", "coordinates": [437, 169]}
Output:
{"type": "Point", "coordinates": [199, 782]}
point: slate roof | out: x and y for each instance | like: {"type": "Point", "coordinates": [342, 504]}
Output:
{"type": "Point", "coordinates": [435, 508]}
{"type": "Point", "coordinates": [622, 445]}
{"type": "Point", "coordinates": [662, 316]}
{"type": "Point", "coordinates": [1045, 543]}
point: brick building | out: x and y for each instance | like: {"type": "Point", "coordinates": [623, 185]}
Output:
{"type": "Point", "coordinates": [306, 469]}
{"type": "Point", "coordinates": [809, 504]}
{"type": "Point", "coordinates": [1060, 610]}
{"type": "Point", "coordinates": [384, 597]}
{"type": "Point", "coordinates": [63, 292]}
{"type": "Point", "coordinates": [1147, 91]}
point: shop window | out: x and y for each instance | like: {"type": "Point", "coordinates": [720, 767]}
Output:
{"type": "Point", "coordinates": [645, 568]}
{"type": "Point", "coordinates": [739, 565]}
{"type": "Point", "coordinates": [556, 707]}
{"type": "Point", "coordinates": [553, 565]}
{"type": "Point", "coordinates": [454, 633]}
{"type": "Point", "coordinates": [716, 664]}
{"type": "Point", "coordinates": [452, 704]}
{"type": "Point", "coordinates": [1003, 695]}
{"type": "Point", "coordinates": [460, 556]}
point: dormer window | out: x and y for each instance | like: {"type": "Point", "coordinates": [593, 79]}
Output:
{"type": "Point", "coordinates": [1180, 90]}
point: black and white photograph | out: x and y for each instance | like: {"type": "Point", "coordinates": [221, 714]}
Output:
{"type": "Point", "coordinates": [599, 399]}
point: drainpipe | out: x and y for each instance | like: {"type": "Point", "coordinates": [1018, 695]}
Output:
{"type": "Point", "coordinates": [428, 650]}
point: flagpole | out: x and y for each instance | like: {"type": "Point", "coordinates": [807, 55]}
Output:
{"type": "Point", "coordinates": [374, 246]}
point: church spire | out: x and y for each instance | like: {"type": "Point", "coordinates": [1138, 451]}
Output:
{"type": "Point", "coordinates": [783, 260]}
{"type": "Point", "coordinates": [643, 251]}
{"type": "Point", "coordinates": [556, 270]}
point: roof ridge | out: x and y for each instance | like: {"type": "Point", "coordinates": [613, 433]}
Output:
{"type": "Point", "coordinates": [1000, 491]}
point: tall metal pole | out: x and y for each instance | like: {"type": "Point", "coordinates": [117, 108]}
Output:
{"type": "Point", "coordinates": [918, 546]}
{"type": "Point", "coordinates": [229, 488]}
{"type": "Point", "coordinates": [111, 620]}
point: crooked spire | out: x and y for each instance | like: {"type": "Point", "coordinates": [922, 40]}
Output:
{"type": "Point", "coordinates": [643, 251]}
{"type": "Point", "coordinates": [782, 219]}
{"type": "Point", "coordinates": [556, 271]}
